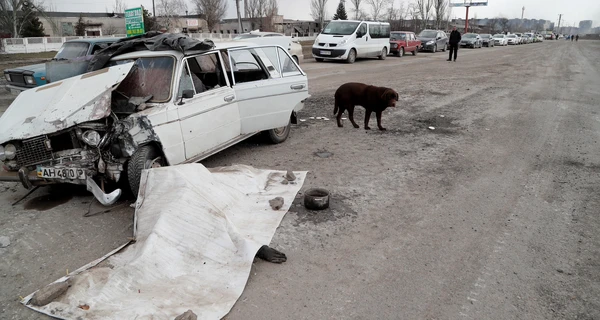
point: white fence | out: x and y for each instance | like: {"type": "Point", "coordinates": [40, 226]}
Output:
{"type": "Point", "coordinates": [31, 45]}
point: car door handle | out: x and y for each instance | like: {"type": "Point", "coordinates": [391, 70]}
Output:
{"type": "Point", "coordinates": [229, 98]}
{"type": "Point", "coordinates": [297, 86]}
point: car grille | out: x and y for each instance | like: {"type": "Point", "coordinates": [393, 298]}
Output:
{"type": "Point", "coordinates": [321, 44]}
{"type": "Point", "coordinates": [17, 78]}
{"type": "Point", "coordinates": [333, 44]}
{"type": "Point", "coordinates": [33, 151]}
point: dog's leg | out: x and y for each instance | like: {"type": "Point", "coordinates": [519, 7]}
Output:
{"type": "Point", "coordinates": [351, 116]}
{"type": "Point", "coordinates": [367, 118]}
{"type": "Point", "coordinates": [378, 114]}
{"type": "Point", "coordinates": [339, 117]}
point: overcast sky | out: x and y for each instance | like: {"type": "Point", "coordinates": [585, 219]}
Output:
{"type": "Point", "coordinates": [573, 10]}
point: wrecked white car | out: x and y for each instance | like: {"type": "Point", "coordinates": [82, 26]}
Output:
{"type": "Point", "coordinates": [147, 109]}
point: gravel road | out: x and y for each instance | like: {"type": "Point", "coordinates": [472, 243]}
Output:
{"type": "Point", "coordinates": [491, 215]}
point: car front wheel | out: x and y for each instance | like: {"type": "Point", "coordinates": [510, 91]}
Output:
{"type": "Point", "coordinates": [145, 157]}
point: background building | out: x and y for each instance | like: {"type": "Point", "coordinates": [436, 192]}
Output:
{"type": "Point", "coordinates": [585, 26]}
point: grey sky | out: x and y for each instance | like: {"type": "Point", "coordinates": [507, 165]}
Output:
{"type": "Point", "coordinates": [573, 10]}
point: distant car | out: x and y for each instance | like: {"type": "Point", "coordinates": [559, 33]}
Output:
{"type": "Point", "coordinates": [432, 40]}
{"type": "Point", "coordinates": [527, 39]}
{"type": "Point", "coordinates": [520, 36]}
{"type": "Point", "coordinates": [539, 37]}
{"type": "Point", "coordinates": [530, 36]}
{"type": "Point", "coordinates": [512, 39]}
{"type": "Point", "coordinates": [500, 39]}
{"type": "Point", "coordinates": [293, 46]}
{"type": "Point", "coordinates": [27, 77]}
{"type": "Point", "coordinates": [487, 40]}
{"type": "Point", "coordinates": [472, 40]}
{"type": "Point", "coordinates": [402, 42]}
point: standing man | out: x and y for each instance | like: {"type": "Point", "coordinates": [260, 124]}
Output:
{"type": "Point", "coordinates": [454, 40]}
{"type": "Point", "coordinates": [576, 38]}
{"type": "Point", "coordinates": [572, 38]}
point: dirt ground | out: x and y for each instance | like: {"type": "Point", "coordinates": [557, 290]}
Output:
{"type": "Point", "coordinates": [491, 215]}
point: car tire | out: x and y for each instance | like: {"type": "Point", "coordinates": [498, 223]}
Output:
{"type": "Point", "coordinates": [415, 51]}
{"type": "Point", "coordinates": [278, 135]}
{"type": "Point", "coordinates": [434, 50]}
{"type": "Point", "coordinates": [351, 56]}
{"type": "Point", "coordinates": [400, 52]}
{"type": "Point", "coordinates": [444, 48]}
{"type": "Point", "coordinates": [145, 157]}
{"type": "Point", "coordinates": [319, 59]}
{"type": "Point", "coordinates": [383, 54]}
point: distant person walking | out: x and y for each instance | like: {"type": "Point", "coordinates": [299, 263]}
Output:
{"type": "Point", "coordinates": [577, 38]}
{"type": "Point", "coordinates": [454, 40]}
{"type": "Point", "coordinates": [572, 38]}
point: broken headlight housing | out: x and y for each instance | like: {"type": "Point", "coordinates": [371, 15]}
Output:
{"type": "Point", "coordinates": [7, 76]}
{"type": "Point", "coordinates": [91, 138]}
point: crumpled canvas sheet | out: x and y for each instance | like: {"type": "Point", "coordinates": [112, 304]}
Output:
{"type": "Point", "coordinates": [197, 233]}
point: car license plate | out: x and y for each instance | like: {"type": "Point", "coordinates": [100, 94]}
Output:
{"type": "Point", "coordinates": [61, 173]}
{"type": "Point", "coordinates": [325, 53]}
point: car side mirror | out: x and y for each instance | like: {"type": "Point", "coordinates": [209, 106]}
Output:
{"type": "Point", "coordinates": [359, 35]}
{"type": "Point", "coordinates": [186, 94]}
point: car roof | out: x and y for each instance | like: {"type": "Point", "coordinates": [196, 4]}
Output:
{"type": "Point", "coordinates": [262, 33]}
{"type": "Point", "coordinates": [402, 31]}
{"type": "Point", "coordinates": [95, 40]}
{"type": "Point", "coordinates": [178, 54]}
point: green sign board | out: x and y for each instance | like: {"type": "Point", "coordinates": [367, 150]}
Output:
{"type": "Point", "coordinates": [134, 21]}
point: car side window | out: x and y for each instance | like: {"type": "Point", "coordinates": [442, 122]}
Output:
{"type": "Point", "coordinates": [362, 29]}
{"type": "Point", "coordinates": [246, 66]}
{"type": "Point", "coordinates": [288, 66]}
{"type": "Point", "coordinates": [374, 31]}
{"type": "Point", "coordinates": [185, 81]}
{"type": "Point", "coordinates": [205, 72]}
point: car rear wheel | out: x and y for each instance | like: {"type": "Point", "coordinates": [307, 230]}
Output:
{"type": "Point", "coordinates": [351, 56]}
{"type": "Point", "coordinates": [146, 157]}
{"type": "Point", "coordinates": [434, 50]}
{"type": "Point", "coordinates": [383, 54]}
{"type": "Point", "coordinates": [278, 135]}
{"type": "Point", "coordinates": [415, 51]}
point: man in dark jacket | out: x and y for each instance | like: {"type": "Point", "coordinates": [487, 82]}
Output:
{"type": "Point", "coordinates": [454, 40]}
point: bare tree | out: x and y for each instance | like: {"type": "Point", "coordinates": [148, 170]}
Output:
{"type": "Point", "coordinates": [109, 29]}
{"type": "Point", "coordinates": [11, 19]}
{"type": "Point", "coordinates": [424, 10]}
{"type": "Point", "coordinates": [261, 13]}
{"type": "Point", "coordinates": [503, 24]}
{"type": "Point", "coordinates": [213, 11]}
{"type": "Point", "coordinates": [357, 12]}
{"type": "Point", "coordinates": [169, 12]}
{"type": "Point", "coordinates": [378, 7]}
{"type": "Point", "coordinates": [318, 10]}
{"type": "Point", "coordinates": [413, 14]}
{"type": "Point", "coordinates": [440, 7]}
{"type": "Point", "coordinates": [119, 6]}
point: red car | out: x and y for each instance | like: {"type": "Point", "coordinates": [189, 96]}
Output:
{"type": "Point", "coordinates": [402, 42]}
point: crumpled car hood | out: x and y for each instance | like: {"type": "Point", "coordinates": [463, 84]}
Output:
{"type": "Point", "coordinates": [61, 105]}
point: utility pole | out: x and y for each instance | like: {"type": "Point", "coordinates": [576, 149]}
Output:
{"type": "Point", "coordinates": [559, 18]}
{"type": "Point", "coordinates": [522, 13]}
{"type": "Point", "coordinates": [237, 5]}
{"type": "Point", "coordinates": [153, 11]}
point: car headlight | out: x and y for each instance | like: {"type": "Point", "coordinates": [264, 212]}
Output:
{"type": "Point", "coordinates": [429, 42]}
{"type": "Point", "coordinates": [91, 137]}
{"type": "Point", "coordinates": [343, 42]}
{"type": "Point", "coordinates": [10, 152]}
{"type": "Point", "coordinates": [2, 154]}
{"type": "Point", "coordinates": [7, 76]}
{"type": "Point", "coordinates": [29, 79]}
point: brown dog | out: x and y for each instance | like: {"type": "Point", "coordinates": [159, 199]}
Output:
{"type": "Point", "coordinates": [373, 99]}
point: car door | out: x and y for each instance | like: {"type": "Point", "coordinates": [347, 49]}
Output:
{"type": "Point", "coordinates": [412, 41]}
{"type": "Point", "coordinates": [210, 118]}
{"type": "Point", "coordinates": [361, 44]}
{"type": "Point", "coordinates": [268, 85]}
{"type": "Point", "coordinates": [374, 49]}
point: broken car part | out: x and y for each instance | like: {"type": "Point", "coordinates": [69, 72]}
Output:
{"type": "Point", "coordinates": [316, 199]}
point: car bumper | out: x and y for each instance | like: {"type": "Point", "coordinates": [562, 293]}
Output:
{"type": "Point", "coordinates": [467, 44]}
{"type": "Point", "coordinates": [328, 53]}
{"type": "Point", "coordinates": [427, 47]}
{"type": "Point", "coordinates": [15, 89]}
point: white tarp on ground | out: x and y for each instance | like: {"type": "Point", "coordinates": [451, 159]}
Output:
{"type": "Point", "coordinates": [197, 232]}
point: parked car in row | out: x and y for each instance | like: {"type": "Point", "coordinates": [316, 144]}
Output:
{"type": "Point", "coordinates": [472, 40]}
{"type": "Point", "coordinates": [31, 76]}
{"type": "Point", "coordinates": [259, 37]}
{"type": "Point", "coordinates": [350, 39]}
{"type": "Point", "coordinates": [500, 39]}
{"type": "Point", "coordinates": [433, 40]}
{"type": "Point", "coordinates": [148, 109]}
{"type": "Point", "coordinates": [512, 39]}
{"type": "Point", "coordinates": [402, 42]}
{"type": "Point", "coordinates": [487, 40]}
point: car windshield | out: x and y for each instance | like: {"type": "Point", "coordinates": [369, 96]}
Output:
{"type": "Point", "coordinates": [470, 35]}
{"type": "Point", "coordinates": [246, 36]}
{"type": "Point", "coordinates": [151, 76]}
{"type": "Point", "coordinates": [428, 34]}
{"type": "Point", "coordinates": [498, 36]}
{"type": "Point", "coordinates": [398, 36]}
{"type": "Point", "coordinates": [512, 36]}
{"type": "Point", "coordinates": [340, 28]}
{"type": "Point", "coordinates": [486, 35]}
{"type": "Point", "coordinates": [72, 50]}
